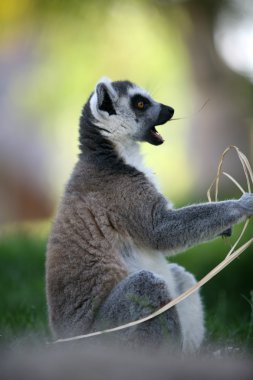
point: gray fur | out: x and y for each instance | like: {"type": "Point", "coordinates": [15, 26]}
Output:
{"type": "Point", "coordinates": [113, 225]}
{"type": "Point", "coordinates": [137, 296]}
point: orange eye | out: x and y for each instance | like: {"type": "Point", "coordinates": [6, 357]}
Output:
{"type": "Point", "coordinates": [140, 105]}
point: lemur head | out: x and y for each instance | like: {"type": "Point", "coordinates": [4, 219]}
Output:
{"type": "Point", "coordinates": [124, 112]}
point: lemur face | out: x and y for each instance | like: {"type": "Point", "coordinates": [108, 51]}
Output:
{"type": "Point", "coordinates": [124, 112]}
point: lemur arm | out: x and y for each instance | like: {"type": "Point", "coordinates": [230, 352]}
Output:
{"type": "Point", "coordinates": [182, 228]}
{"type": "Point", "coordinates": [177, 229]}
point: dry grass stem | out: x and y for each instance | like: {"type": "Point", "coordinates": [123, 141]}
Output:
{"type": "Point", "coordinates": [232, 254]}
{"type": "Point", "coordinates": [215, 184]}
{"type": "Point", "coordinates": [235, 182]}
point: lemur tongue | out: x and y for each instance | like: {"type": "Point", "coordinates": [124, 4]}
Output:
{"type": "Point", "coordinates": [156, 135]}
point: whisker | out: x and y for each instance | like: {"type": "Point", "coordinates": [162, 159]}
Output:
{"type": "Point", "coordinates": [204, 105]}
{"type": "Point", "coordinates": [179, 118]}
{"type": "Point", "coordinates": [194, 113]}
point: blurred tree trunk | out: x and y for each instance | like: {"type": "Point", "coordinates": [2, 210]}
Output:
{"type": "Point", "coordinates": [25, 191]}
{"type": "Point", "coordinates": [225, 120]}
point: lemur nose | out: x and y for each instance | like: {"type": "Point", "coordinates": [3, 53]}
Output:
{"type": "Point", "coordinates": [170, 110]}
{"type": "Point", "coordinates": [165, 114]}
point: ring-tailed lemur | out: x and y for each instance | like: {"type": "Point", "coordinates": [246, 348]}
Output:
{"type": "Point", "coordinates": [106, 262]}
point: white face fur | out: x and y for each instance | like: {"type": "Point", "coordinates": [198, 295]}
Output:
{"type": "Point", "coordinates": [126, 113]}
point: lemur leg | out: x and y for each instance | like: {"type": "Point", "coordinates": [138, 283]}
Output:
{"type": "Point", "coordinates": [190, 311]}
{"type": "Point", "coordinates": [137, 296]}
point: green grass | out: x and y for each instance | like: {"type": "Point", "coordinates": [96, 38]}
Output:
{"type": "Point", "coordinates": [227, 298]}
{"type": "Point", "coordinates": [23, 305]}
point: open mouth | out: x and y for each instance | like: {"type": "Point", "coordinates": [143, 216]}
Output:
{"type": "Point", "coordinates": [152, 136]}
{"type": "Point", "coordinates": [155, 137]}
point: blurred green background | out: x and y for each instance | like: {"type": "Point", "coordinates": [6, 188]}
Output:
{"type": "Point", "coordinates": [184, 53]}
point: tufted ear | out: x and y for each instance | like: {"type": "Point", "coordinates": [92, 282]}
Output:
{"type": "Point", "coordinates": [106, 96]}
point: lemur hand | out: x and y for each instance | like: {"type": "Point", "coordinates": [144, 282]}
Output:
{"type": "Point", "coordinates": [227, 232]}
{"type": "Point", "coordinates": [246, 202]}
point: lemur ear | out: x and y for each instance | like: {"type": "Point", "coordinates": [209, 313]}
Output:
{"type": "Point", "coordinates": [106, 95]}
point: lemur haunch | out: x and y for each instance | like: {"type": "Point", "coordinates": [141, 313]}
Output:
{"type": "Point", "coordinates": [106, 262]}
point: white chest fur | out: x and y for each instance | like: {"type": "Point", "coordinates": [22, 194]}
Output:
{"type": "Point", "coordinates": [130, 152]}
